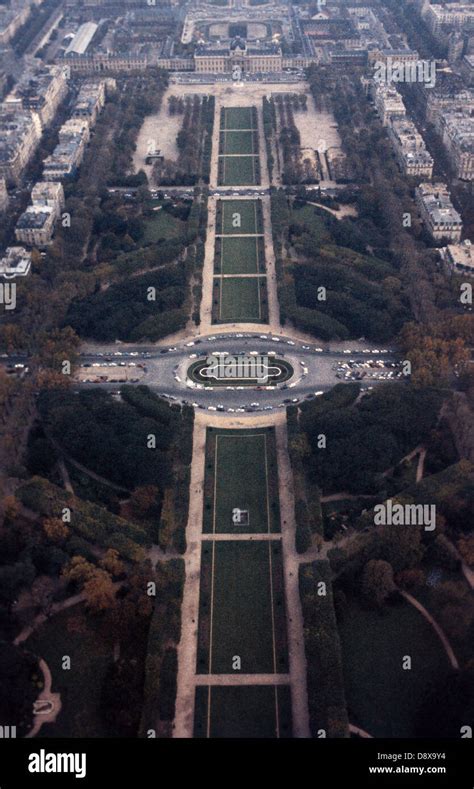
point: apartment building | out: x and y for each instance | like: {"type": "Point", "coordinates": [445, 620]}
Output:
{"type": "Point", "coordinates": [410, 150]}
{"type": "Point", "coordinates": [437, 212]}
{"type": "Point", "coordinates": [16, 262]}
{"type": "Point", "coordinates": [20, 133]}
{"type": "Point", "coordinates": [49, 193]}
{"type": "Point", "coordinates": [388, 103]}
{"type": "Point", "coordinates": [91, 100]}
{"type": "Point", "coordinates": [11, 19]}
{"type": "Point", "coordinates": [459, 258]}
{"type": "Point", "coordinates": [40, 91]}
{"type": "Point", "coordinates": [3, 196]}
{"type": "Point", "coordinates": [457, 131]}
{"type": "Point", "coordinates": [454, 15]}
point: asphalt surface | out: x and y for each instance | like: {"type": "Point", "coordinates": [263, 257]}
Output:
{"type": "Point", "coordinates": [166, 370]}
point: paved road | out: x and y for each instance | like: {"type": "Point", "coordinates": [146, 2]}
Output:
{"type": "Point", "coordinates": [166, 369]}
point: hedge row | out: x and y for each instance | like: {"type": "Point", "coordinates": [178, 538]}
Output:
{"type": "Point", "coordinates": [161, 666]}
{"type": "Point", "coordinates": [326, 697]}
{"type": "Point", "coordinates": [89, 521]}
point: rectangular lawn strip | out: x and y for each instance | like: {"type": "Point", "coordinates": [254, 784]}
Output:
{"type": "Point", "coordinates": [243, 711]}
{"type": "Point", "coordinates": [241, 471]}
{"type": "Point", "coordinates": [242, 608]}
{"type": "Point", "coordinates": [247, 211]}
{"type": "Point", "coordinates": [237, 118]}
{"type": "Point", "coordinates": [240, 299]}
{"type": "Point", "coordinates": [232, 142]}
{"type": "Point", "coordinates": [375, 680]}
{"type": "Point", "coordinates": [73, 633]}
{"type": "Point", "coordinates": [239, 255]}
{"type": "Point", "coordinates": [239, 170]}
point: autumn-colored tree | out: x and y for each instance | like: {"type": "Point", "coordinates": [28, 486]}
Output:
{"type": "Point", "coordinates": [78, 570]}
{"type": "Point", "coordinates": [96, 583]}
{"type": "Point", "coordinates": [300, 446]}
{"type": "Point", "coordinates": [112, 563]}
{"type": "Point", "coordinates": [50, 379]}
{"type": "Point", "coordinates": [435, 351]}
{"type": "Point", "coordinates": [144, 500]}
{"type": "Point", "coordinates": [410, 579]}
{"type": "Point", "coordinates": [466, 549]}
{"type": "Point", "coordinates": [11, 507]}
{"type": "Point", "coordinates": [99, 590]}
{"type": "Point", "coordinates": [55, 529]}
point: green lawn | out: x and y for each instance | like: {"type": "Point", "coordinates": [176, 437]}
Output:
{"type": "Point", "coordinates": [241, 608]}
{"type": "Point", "coordinates": [238, 216]}
{"type": "Point", "coordinates": [241, 471]}
{"type": "Point", "coordinates": [240, 299]}
{"type": "Point", "coordinates": [239, 170]}
{"type": "Point", "coordinates": [80, 686]}
{"type": "Point", "coordinates": [242, 142]}
{"type": "Point", "coordinates": [161, 226]}
{"type": "Point", "coordinates": [239, 255]}
{"type": "Point", "coordinates": [237, 118]}
{"type": "Point", "coordinates": [243, 711]}
{"type": "Point", "coordinates": [382, 697]}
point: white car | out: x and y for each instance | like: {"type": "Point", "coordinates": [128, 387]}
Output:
{"type": "Point", "coordinates": [290, 342]}
{"type": "Point", "coordinates": [211, 408]}
{"type": "Point", "coordinates": [318, 394]}
{"type": "Point", "coordinates": [189, 344]}
{"type": "Point", "coordinates": [193, 355]}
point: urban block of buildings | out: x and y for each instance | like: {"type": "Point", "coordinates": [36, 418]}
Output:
{"type": "Point", "coordinates": [35, 227]}
{"type": "Point", "coordinates": [74, 134]}
{"type": "Point", "coordinates": [459, 258]}
{"type": "Point", "coordinates": [410, 149]}
{"type": "Point", "coordinates": [20, 133]}
{"type": "Point", "coordinates": [437, 211]}
{"type": "Point", "coordinates": [40, 91]}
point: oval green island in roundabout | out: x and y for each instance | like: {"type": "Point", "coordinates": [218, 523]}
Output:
{"type": "Point", "coordinates": [243, 369]}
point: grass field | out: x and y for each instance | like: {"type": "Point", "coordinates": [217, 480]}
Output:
{"type": "Point", "coordinates": [240, 299]}
{"type": "Point", "coordinates": [243, 212]}
{"type": "Point", "coordinates": [237, 118]}
{"type": "Point", "coordinates": [241, 608]}
{"type": "Point", "coordinates": [243, 142]}
{"type": "Point", "coordinates": [241, 471]}
{"type": "Point", "coordinates": [161, 226]}
{"type": "Point", "coordinates": [238, 711]}
{"type": "Point", "coordinates": [91, 656]}
{"type": "Point", "coordinates": [239, 170]}
{"type": "Point", "coordinates": [382, 697]}
{"type": "Point", "coordinates": [239, 255]}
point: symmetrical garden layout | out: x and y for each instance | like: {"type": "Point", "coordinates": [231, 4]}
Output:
{"type": "Point", "coordinates": [242, 635]}
{"type": "Point", "coordinates": [240, 284]}
{"type": "Point", "coordinates": [238, 163]}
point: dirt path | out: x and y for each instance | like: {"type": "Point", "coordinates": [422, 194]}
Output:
{"type": "Point", "coordinates": [46, 695]}
{"type": "Point", "coordinates": [439, 632]}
